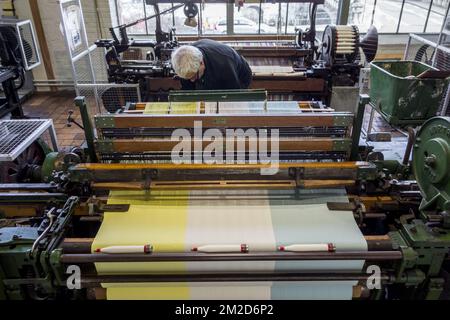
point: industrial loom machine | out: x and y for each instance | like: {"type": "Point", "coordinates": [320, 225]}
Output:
{"type": "Point", "coordinates": [311, 230]}
{"type": "Point", "coordinates": [297, 67]}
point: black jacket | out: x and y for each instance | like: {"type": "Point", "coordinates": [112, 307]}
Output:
{"type": "Point", "coordinates": [225, 68]}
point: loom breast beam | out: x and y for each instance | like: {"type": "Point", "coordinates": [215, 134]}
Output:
{"type": "Point", "coordinates": [169, 176]}
{"type": "Point", "coordinates": [370, 256]}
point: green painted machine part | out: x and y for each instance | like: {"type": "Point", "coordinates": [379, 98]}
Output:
{"type": "Point", "coordinates": [89, 132]}
{"type": "Point", "coordinates": [430, 243]}
{"type": "Point", "coordinates": [218, 95]}
{"type": "Point", "coordinates": [431, 166]}
{"type": "Point", "coordinates": [49, 166]}
{"type": "Point", "coordinates": [30, 269]}
{"type": "Point", "coordinates": [15, 262]}
{"type": "Point", "coordinates": [402, 97]}
{"type": "Point", "coordinates": [394, 169]}
{"type": "Point", "coordinates": [56, 163]}
{"type": "Point", "coordinates": [357, 126]}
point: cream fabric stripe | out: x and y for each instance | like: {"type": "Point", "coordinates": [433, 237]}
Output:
{"type": "Point", "coordinates": [219, 222]}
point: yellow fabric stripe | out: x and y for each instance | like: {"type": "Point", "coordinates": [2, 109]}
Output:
{"type": "Point", "coordinates": [172, 108]}
{"type": "Point", "coordinates": [184, 107]}
{"type": "Point", "coordinates": [156, 108]}
{"type": "Point", "coordinates": [160, 292]}
{"type": "Point", "coordinates": [153, 218]}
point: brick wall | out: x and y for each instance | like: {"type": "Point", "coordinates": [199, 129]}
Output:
{"type": "Point", "coordinates": [97, 25]}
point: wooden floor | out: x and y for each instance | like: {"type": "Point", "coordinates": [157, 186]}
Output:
{"type": "Point", "coordinates": [56, 105]}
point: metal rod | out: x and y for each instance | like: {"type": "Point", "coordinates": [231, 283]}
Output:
{"type": "Point", "coordinates": [262, 256]}
{"type": "Point", "coordinates": [54, 81]}
{"type": "Point", "coordinates": [88, 129]}
{"type": "Point", "coordinates": [27, 186]}
{"type": "Point", "coordinates": [165, 166]}
{"type": "Point", "coordinates": [357, 125]}
{"type": "Point", "coordinates": [172, 9]}
{"type": "Point", "coordinates": [373, 12]}
{"type": "Point", "coordinates": [409, 146]}
{"type": "Point", "coordinates": [370, 125]}
{"type": "Point", "coordinates": [53, 138]}
{"type": "Point", "coordinates": [11, 198]}
{"type": "Point", "coordinates": [400, 16]}
{"type": "Point", "coordinates": [408, 44]}
{"type": "Point", "coordinates": [428, 16]}
{"type": "Point", "coordinates": [343, 12]}
{"type": "Point", "coordinates": [96, 281]}
{"type": "Point", "coordinates": [84, 245]}
{"type": "Point", "coordinates": [56, 85]}
{"type": "Point", "coordinates": [287, 18]}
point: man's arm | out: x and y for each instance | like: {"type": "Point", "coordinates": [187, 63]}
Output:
{"type": "Point", "coordinates": [246, 74]}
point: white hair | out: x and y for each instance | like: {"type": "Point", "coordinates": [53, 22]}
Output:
{"type": "Point", "coordinates": [186, 61]}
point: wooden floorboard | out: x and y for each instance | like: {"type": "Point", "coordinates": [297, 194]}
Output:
{"type": "Point", "coordinates": [56, 105]}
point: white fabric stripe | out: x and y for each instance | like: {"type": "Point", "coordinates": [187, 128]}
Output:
{"type": "Point", "coordinates": [221, 223]}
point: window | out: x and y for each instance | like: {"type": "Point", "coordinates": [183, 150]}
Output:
{"type": "Point", "coordinates": [254, 18]}
{"type": "Point", "coordinates": [398, 16]}
{"type": "Point", "coordinates": [299, 15]}
{"type": "Point", "coordinates": [389, 16]}
{"type": "Point", "coordinates": [213, 21]}
{"type": "Point", "coordinates": [131, 10]}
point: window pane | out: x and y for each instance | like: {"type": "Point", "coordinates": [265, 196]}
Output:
{"type": "Point", "coordinates": [437, 16]}
{"type": "Point", "coordinates": [299, 15]}
{"type": "Point", "coordinates": [214, 18]}
{"type": "Point", "coordinates": [130, 11]}
{"type": "Point", "coordinates": [387, 14]}
{"type": "Point", "coordinates": [246, 20]}
{"type": "Point", "coordinates": [180, 19]}
{"type": "Point", "coordinates": [327, 14]}
{"type": "Point", "coordinates": [414, 16]}
{"type": "Point", "coordinates": [166, 19]}
{"type": "Point", "coordinates": [360, 14]}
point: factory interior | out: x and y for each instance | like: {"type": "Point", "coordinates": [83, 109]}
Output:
{"type": "Point", "coordinates": [225, 150]}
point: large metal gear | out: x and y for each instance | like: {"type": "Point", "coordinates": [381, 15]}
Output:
{"type": "Point", "coordinates": [22, 169]}
{"type": "Point", "coordinates": [431, 163]}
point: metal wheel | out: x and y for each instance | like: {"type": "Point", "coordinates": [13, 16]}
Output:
{"type": "Point", "coordinates": [18, 171]}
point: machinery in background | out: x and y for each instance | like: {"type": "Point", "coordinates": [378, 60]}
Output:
{"type": "Point", "coordinates": [19, 53]}
{"type": "Point", "coordinates": [313, 69]}
{"type": "Point", "coordinates": [340, 50]}
{"type": "Point", "coordinates": [157, 63]}
{"type": "Point", "coordinates": [402, 210]}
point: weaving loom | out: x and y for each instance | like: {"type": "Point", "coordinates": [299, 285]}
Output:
{"type": "Point", "coordinates": [140, 226]}
{"type": "Point", "coordinates": [177, 221]}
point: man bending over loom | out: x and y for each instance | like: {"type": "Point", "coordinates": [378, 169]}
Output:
{"type": "Point", "coordinates": [210, 65]}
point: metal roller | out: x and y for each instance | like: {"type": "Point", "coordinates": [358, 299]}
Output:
{"type": "Point", "coordinates": [340, 43]}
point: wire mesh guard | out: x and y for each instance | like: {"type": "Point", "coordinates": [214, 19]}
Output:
{"type": "Point", "coordinates": [30, 50]}
{"type": "Point", "coordinates": [17, 135]}
{"type": "Point", "coordinates": [108, 98]}
{"type": "Point", "coordinates": [437, 56]}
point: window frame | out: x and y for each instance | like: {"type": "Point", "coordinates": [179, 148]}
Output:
{"type": "Point", "coordinates": [342, 18]}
